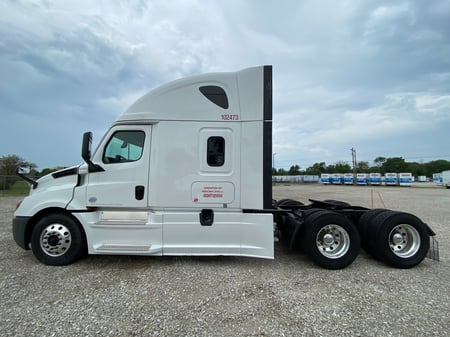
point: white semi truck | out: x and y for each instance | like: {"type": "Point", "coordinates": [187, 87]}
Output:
{"type": "Point", "coordinates": [186, 170]}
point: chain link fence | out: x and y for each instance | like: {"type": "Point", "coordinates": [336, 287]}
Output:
{"type": "Point", "coordinates": [297, 179]}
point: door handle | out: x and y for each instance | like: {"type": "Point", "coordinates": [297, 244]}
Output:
{"type": "Point", "coordinates": [139, 192]}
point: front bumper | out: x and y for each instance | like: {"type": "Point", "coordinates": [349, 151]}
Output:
{"type": "Point", "coordinates": [20, 233]}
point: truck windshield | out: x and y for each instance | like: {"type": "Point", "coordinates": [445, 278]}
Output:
{"type": "Point", "coordinates": [124, 146]}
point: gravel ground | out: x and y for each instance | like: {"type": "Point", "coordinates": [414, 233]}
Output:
{"type": "Point", "coordinates": [231, 296]}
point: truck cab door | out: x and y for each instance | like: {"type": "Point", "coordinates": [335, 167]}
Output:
{"type": "Point", "coordinates": [124, 154]}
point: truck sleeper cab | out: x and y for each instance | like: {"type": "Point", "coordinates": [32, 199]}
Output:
{"type": "Point", "coordinates": [172, 176]}
{"type": "Point", "coordinates": [186, 170]}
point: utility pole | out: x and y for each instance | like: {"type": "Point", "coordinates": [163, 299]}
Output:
{"type": "Point", "coordinates": [354, 164]}
{"type": "Point", "coordinates": [273, 160]}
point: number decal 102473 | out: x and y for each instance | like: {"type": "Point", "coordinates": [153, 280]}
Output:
{"type": "Point", "coordinates": [228, 117]}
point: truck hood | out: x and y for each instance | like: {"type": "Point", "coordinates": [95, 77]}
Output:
{"type": "Point", "coordinates": [55, 190]}
{"type": "Point", "coordinates": [67, 176]}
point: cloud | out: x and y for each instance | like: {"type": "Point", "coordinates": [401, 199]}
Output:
{"type": "Point", "coordinates": [358, 74]}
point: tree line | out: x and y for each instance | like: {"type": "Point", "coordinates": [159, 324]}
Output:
{"type": "Point", "coordinates": [381, 165]}
{"type": "Point", "coordinates": [8, 166]}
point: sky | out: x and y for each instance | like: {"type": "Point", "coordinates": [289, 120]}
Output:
{"type": "Point", "coordinates": [368, 75]}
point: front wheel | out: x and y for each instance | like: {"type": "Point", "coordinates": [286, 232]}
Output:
{"type": "Point", "coordinates": [330, 240]}
{"type": "Point", "coordinates": [57, 240]}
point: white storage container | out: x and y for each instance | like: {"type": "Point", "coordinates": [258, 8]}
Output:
{"type": "Point", "coordinates": [405, 179]}
{"type": "Point", "coordinates": [361, 178]}
{"type": "Point", "coordinates": [391, 179]}
{"type": "Point", "coordinates": [375, 178]}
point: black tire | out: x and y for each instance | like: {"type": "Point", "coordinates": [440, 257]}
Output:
{"type": "Point", "coordinates": [330, 240]}
{"type": "Point", "coordinates": [307, 213]}
{"type": "Point", "coordinates": [296, 237]}
{"type": "Point", "coordinates": [284, 204]}
{"type": "Point", "coordinates": [57, 240]}
{"type": "Point", "coordinates": [337, 203]}
{"type": "Point", "coordinates": [289, 203]}
{"type": "Point", "coordinates": [364, 223]}
{"type": "Point", "coordinates": [402, 240]}
{"type": "Point", "coordinates": [373, 228]}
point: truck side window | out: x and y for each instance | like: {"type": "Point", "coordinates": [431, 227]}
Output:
{"type": "Point", "coordinates": [124, 146]}
{"type": "Point", "coordinates": [216, 151]}
{"type": "Point", "coordinates": [216, 95]}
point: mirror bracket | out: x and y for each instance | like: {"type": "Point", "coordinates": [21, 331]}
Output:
{"type": "Point", "coordinates": [21, 171]}
{"type": "Point", "coordinates": [86, 153]}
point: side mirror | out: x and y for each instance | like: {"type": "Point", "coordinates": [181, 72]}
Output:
{"type": "Point", "coordinates": [23, 170]}
{"type": "Point", "coordinates": [86, 153]}
{"type": "Point", "coordinates": [86, 147]}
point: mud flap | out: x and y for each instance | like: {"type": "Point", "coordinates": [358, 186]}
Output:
{"type": "Point", "coordinates": [433, 252]}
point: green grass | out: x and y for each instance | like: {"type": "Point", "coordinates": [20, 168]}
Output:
{"type": "Point", "coordinates": [20, 187]}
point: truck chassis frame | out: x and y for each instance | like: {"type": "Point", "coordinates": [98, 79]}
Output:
{"type": "Point", "coordinates": [331, 233]}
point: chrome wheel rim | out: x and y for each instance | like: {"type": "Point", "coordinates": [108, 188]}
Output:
{"type": "Point", "coordinates": [55, 240]}
{"type": "Point", "coordinates": [333, 241]}
{"type": "Point", "coordinates": [404, 240]}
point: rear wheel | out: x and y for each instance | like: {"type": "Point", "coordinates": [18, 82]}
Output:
{"type": "Point", "coordinates": [402, 240]}
{"type": "Point", "coordinates": [330, 240]}
{"type": "Point", "coordinates": [311, 211]}
{"type": "Point", "coordinates": [297, 235]}
{"type": "Point", "coordinates": [337, 203]}
{"type": "Point", "coordinates": [366, 221]}
{"type": "Point", "coordinates": [289, 203]}
{"type": "Point", "coordinates": [57, 240]}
